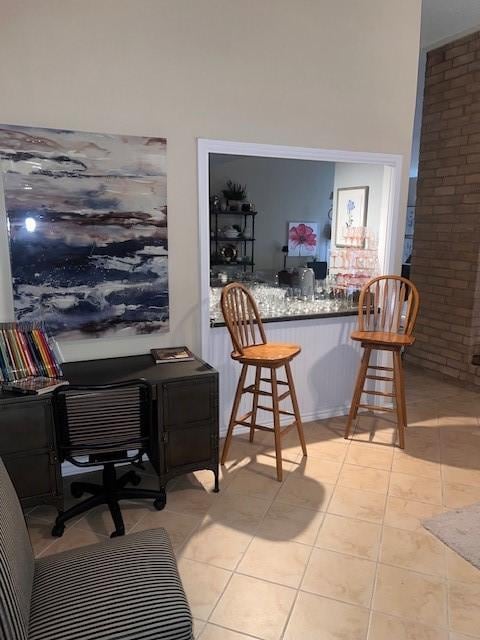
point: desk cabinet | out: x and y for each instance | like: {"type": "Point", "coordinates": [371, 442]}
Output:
{"type": "Point", "coordinates": [28, 448]}
{"type": "Point", "coordinates": [187, 427]}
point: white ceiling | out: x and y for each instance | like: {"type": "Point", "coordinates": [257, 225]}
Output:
{"type": "Point", "coordinates": [444, 19]}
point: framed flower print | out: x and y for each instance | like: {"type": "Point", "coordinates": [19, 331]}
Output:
{"type": "Point", "coordinates": [352, 205]}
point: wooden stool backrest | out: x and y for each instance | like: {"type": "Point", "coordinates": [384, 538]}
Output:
{"type": "Point", "coordinates": [388, 303]}
{"type": "Point", "coordinates": [241, 317]}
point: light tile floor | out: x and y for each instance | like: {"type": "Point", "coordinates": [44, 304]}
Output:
{"type": "Point", "coordinates": [336, 551]}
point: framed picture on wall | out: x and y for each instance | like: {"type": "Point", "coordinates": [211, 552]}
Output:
{"type": "Point", "coordinates": [352, 205]}
{"type": "Point", "coordinates": [302, 238]}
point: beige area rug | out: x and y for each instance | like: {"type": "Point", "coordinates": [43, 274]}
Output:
{"type": "Point", "coordinates": [460, 530]}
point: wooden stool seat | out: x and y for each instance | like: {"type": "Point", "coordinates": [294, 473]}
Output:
{"type": "Point", "coordinates": [271, 354]}
{"type": "Point", "coordinates": [383, 338]}
{"type": "Point", "coordinates": [387, 311]}
{"type": "Point", "coordinates": [251, 349]}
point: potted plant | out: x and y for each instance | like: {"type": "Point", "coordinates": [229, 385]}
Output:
{"type": "Point", "coordinates": [234, 193]}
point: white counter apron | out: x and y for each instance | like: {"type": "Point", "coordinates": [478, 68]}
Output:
{"type": "Point", "coordinates": [324, 372]}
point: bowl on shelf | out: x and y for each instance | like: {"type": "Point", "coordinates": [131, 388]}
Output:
{"type": "Point", "coordinates": [230, 232]}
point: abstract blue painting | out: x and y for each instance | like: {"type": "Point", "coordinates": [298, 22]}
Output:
{"type": "Point", "coordinates": [87, 217]}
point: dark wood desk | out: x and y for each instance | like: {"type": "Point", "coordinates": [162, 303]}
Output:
{"type": "Point", "coordinates": [184, 438]}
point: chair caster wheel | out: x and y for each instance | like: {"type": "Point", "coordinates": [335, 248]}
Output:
{"type": "Point", "coordinates": [118, 533]}
{"type": "Point", "coordinates": [160, 502]}
{"type": "Point", "coordinates": [76, 491]}
{"type": "Point", "coordinates": [58, 530]}
{"type": "Point", "coordinates": [135, 479]}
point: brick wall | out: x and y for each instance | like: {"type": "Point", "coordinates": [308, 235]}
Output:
{"type": "Point", "coordinates": [446, 251]}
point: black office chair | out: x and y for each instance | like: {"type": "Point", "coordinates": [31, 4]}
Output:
{"type": "Point", "coordinates": [108, 424]}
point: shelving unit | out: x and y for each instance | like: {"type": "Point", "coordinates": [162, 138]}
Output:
{"type": "Point", "coordinates": [244, 247]}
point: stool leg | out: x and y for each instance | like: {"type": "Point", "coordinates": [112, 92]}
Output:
{"type": "Point", "coordinates": [276, 424]}
{"type": "Point", "coordinates": [399, 397]}
{"type": "Point", "coordinates": [296, 410]}
{"type": "Point", "coordinates": [357, 394]}
{"type": "Point", "coordinates": [402, 380]}
{"type": "Point", "coordinates": [233, 415]}
{"type": "Point", "coordinates": [253, 421]}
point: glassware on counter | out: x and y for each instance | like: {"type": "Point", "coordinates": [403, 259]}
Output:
{"type": "Point", "coordinates": [287, 302]}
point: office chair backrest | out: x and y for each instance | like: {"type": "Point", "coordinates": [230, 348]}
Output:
{"type": "Point", "coordinates": [388, 303]}
{"type": "Point", "coordinates": [241, 317]}
{"type": "Point", "coordinates": [103, 419]}
{"type": "Point", "coordinates": [16, 564]}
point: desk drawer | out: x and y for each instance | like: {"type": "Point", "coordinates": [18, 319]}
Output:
{"type": "Point", "coordinates": [186, 403]}
{"type": "Point", "coordinates": [25, 426]}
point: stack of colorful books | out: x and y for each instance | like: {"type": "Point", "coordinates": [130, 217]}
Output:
{"type": "Point", "coordinates": [25, 351]}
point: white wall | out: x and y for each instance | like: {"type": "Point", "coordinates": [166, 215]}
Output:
{"type": "Point", "coordinates": [283, 191]}
{"type": "Point", "coordinates": [361, 175]}
{"type": "Point", "coordinates": [310, 73]}
{"type": "Point", "coordinates": [417, 122]}
{"type": "Point", "coordinates": [6, 300]}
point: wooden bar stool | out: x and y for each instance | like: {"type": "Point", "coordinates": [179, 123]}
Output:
{"type": "Point", "coordinates": [251, 349]}
{"type": "Point", "coordinates": [387, 312]}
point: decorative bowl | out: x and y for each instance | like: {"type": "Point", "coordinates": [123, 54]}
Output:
{"type": "Point", "coordinates": [230, 232]}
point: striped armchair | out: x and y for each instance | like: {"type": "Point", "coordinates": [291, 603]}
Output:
{"type": "Point", "coordinates": [124, 588]}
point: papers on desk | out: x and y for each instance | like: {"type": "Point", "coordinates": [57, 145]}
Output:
{"type": "Point", "coordinates": [33, 385]}
{"type": "Point", "coordinates": [172, 354]}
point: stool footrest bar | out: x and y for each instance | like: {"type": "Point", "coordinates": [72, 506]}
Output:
{"type": "Point", "coordinates": [378, 393]}
{"type": "Point", "coordinates": [244, 423]}
{"type": "Point", "coordinates": [251, 389]}
{"type": "Point", "coordinates": [265, 408]}
{"type": "Point", "coordinates": [245, 417]}
{"type": "Point", "coordinates": [287, 429]}
{"type": "Point", "coordinates": [278, 381]}
{"type": "Point", "coordinates": [375, 407]}
{"type": "Point", "coordinates": [261, 427]}
{"type": "Point", "coordinates": [283, 413]}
